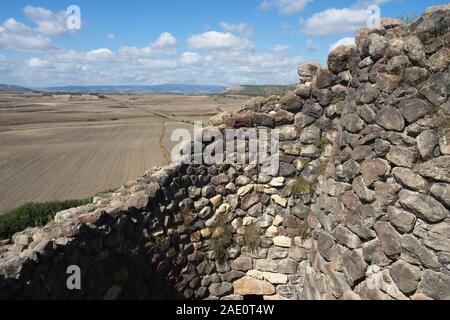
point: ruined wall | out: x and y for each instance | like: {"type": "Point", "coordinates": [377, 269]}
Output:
{"type": "Point", "coordinates": [358, 210]}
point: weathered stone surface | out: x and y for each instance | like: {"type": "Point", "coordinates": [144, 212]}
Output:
{"type": "Point", "coordinates": [308, 70]}
{"type": "Point", "coordinates": [374, 254]}
{"type": "Point", "coordinates": [289, 132]}
{"type": "Point", "coordinates": [377, 45]}
{"type": "Point", "coordinates": [282, 241]}
{"type": "Point", "coordinates": [435, 285]}
{"type": "Point", "coordinates": [249, 201]}
{"type": "Point", "coordinates": [437, 236]}
{"type": "Point", "coordinates": [288, 266]}
{"type": "Point", "coordinates": [390, 119]}
{"type": "Point", "coordinates": [423, 206]}
{"type": "Point", "coordinates": [367, 93]}
{"type": "Point", "coordinates": [413, 109]}
{"type": "Point", "coordinates": [264, 120]}
{"type": "Point", "coordinates": [426, 142]}
{"type": "Point", "coordinates": [389, 238]}
{"type": "Point", "coordinates": [416, 253]}
{"type": "Point", "coordinates": [251, 286]}
{"type": "Point", "coordinates": [438, 169]}
{"type": "Point", "coordinates": [220, 289]}
{"type": "Point", "coordinates": [361, 190]}
{"type": "Point", "coordinates": [275, 278]}
{"type": "Point", "coordinates": [403, 220]}
{"type": "Point", "coordinates": [401, 156]}
{"type": "Point", "coordinates": [409, 179]}
{"type": "Point", "coordinates": [355, 266]}
{"type": "Point", "coordinates": [339, 58]}
{"type": "Point", "coordinates": [267, 265]}
{"type": "Point", "coordinates": [291, 102]}
{"type": "Point", "coordinates": [372, 170]}
{"type": "Point", "coordinates": [436, 89]}
{"type": "Point", "coordinates": [441, 191]}
{"type": "Point", "coordinates": [242, 264]}
{"type": "Point", "coordinates": [310, 135]}
{"type": "Point", "coordinates": [323, 78]}
{"type": "Point", "coordinates": [346, 238]}
{"type": "Point", "coordinates": [440, 60]}
{"type": "Point", "coordinates": [406, 276]}
{"type": "Point", "coordinates": [352, 123]}
{"type": "Point", "coordinates": [325, 244]}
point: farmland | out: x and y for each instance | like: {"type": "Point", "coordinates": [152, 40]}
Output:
{"type": "Point", "coordinates": [62, 146]}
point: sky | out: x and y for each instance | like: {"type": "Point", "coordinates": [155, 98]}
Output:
{"type": "Point", "coordinates": [147, 42]}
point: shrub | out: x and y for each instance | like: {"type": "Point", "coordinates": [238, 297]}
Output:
{"type": "Point", "coordinates": [304, 230]}
{"type": "Point", "coordinates": [303, 187]}
{"type": "Point", "coordinates": [220, 239]}
{"type": "Point", "coordinates": [251, 236]}
{"type": "Point", "coordinates": [34, 215]}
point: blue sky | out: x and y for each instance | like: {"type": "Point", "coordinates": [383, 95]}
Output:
{"type": "Point", "coordinates": [139, 42]}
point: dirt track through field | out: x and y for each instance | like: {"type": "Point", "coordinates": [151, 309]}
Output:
{"type": "Point", "coordinates": [64, 147]}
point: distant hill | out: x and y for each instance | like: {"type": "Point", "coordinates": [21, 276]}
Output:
{"type": "Point", "coordinates": [165, 88]}
{"type": "Point", "coordinates": [12, 88]}
{"type": "Point", "coordinates": [259, 90]}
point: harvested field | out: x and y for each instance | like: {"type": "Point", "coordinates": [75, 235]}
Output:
{"type": "Point", "coordinates": [55, 148]}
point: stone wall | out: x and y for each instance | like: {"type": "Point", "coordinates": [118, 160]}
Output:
{"type": "Point", "coordinates": [358, 210]}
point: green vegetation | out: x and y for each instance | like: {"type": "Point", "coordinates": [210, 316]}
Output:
{"type": "Point", "coordinates": [160, 243]}
{"type": "Point", "coordinates": [220, 239]}
{"type": "Point", "coordinates": [34, 215]}
{"type": "Point", "coordinates": [304, 230]}
{"type": "Point", "coordinates": [251, 236]}
{"type": "Point", "coordinates": [303, 187]}
{"type": "Point", "coordinates": [424, 36]}
{"type": "Point", "coordinates": [323, 144]}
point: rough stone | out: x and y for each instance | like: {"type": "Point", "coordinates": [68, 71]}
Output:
{"type": "Point", "coordinates": [438, 169]}
{"type": "Point", "coordinates": [390, 119]}
{"type": "Point", "coordinates": [406, 276]}
{"type": "Point", "coordinates": [416, 253]}
{"type": "Point", "coordinates": [426, 142]}
{"type": "Point", "coordinates": [441, 191]}
{"type": "Point", "coordinates": [251, 286]}
{"type": "Point", "coordinates": [220, 289]}
{"type": "Point", "coordinates": [403, 220]}
{"type": "Point", "coordinates": [401, 156]}
{"type": "Point", "coordinates": [413, 109]}
{"type": "Point", "coordinates": [423, 206]}
{"type": "Point", "coordinates": [242, 264]}
{"type": "Point", "coordinates": [346, 238]}
{"type": "Point", "coordinates": [389, 238]}
{"type": "Point", "coordinates": [435, 285]}
{"type": "Point", "coordinates": [409, 179]}
{"type": "Point", "coordinates": [282, 241]}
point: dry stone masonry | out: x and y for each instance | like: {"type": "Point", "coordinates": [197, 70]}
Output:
{"type": "Point", "coordinates": [358, 210]}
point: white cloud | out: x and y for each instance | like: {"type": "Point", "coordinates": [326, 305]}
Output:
{"type": "Point", "coordinates": [218, 41]}
{"type": "Point", "coordinates": [48, 23]}
{"type": "Point", "coordinates": [13, 25]}
{"type": "Point", "coordinates": [279, 48]}
{"type": "Point", "coordinates": [165, 40]}
{"type": "Point", "coordinates": [24, 42]}
{"type": "Point", "coordinates": [99, 54]}
{"type": "Point", "coordinates": [37, 63]}
{"type": "Point", "coordinates": [334, 21]}
{"type": "Point", "coordinates": [240, 28]}
{"type": "Point", "coordinates": [285, 7]}
{"type": "Point", "coordinates": [111, 36]}
{"type": "Point", "coordinates": [165, 44]}
{"type": "Point", "coordinates": [190, 58]}
{"type": "Point", "coordinates": [343, 42]}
